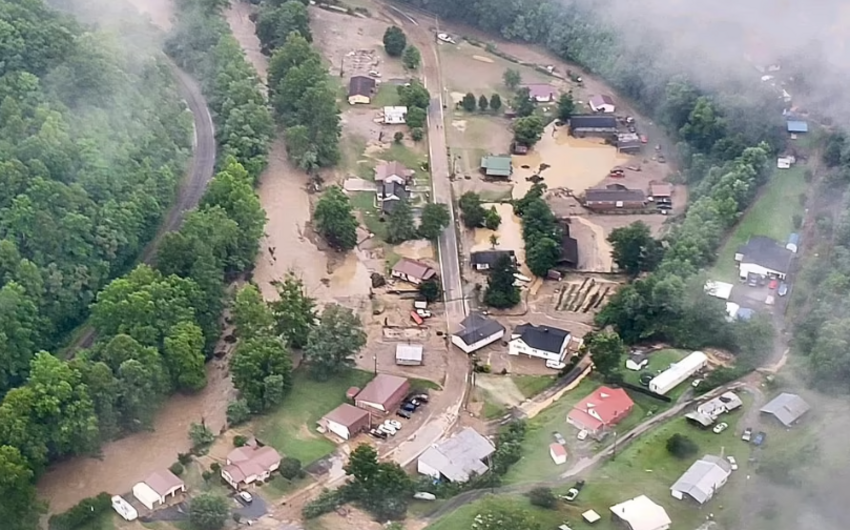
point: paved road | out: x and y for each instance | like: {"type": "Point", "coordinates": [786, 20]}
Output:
{"type": "Point", "coordinates": [194, 184]}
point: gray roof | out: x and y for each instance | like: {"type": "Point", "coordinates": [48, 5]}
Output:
{"type": "Point", "coordinates": [593, 121]}
{"type": "Point", "coordinates": [788, 408]}
{"type": "Point", "coordinates": [702, 479]}
{"type": "Point", "coordinates": [766, 252]}
{"type": "Point", "coordinates": [614, 195]}
{"type": "Point", "coordinates": [543, 338]}
{"type": "Point", "coordinates": [477, 327]}
{"type": "Point", "coordinates": [459, 456]}
{"type": "Point", "coordinates": [361, 85]}
{"type": "Point", "coordinates": [408, 352]}
{"type": "Point", "coordinates": [490, 257]}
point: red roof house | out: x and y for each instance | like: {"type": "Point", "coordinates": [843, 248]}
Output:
{"type": "Point", "coordinates": [605, 407]}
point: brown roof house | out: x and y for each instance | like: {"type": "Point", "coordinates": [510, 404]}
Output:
{"type": "Point", "coordinates": [602, 103]}
{"type": "Point", "coordinates": [412, 271]}
{"type": "Point", "coordinates": [393, 172]}
{"type": "Point", "coordinates": [249, 464]}
{"type": "Point", "coordinates": [158, 488]}
{"type": "Point", "coordinates": [541, 92]}
{"type": "Point", "coordinates": [384, 393]}
{"type": "Point", "coordinates": [614, 197]}
{"type": "Point", "coordinates": [346, 421]}
{"type": "Point", "coordinates": [360, 90]}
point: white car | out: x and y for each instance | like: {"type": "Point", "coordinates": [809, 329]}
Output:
{"type": "Point", "coordinates": [582, 434]}
{"type": "Point", "coordinates": [720, 427]}
{"type": "Point", "coordinates": [246, 497]}
{"type": "Point", "coordinates": [387, 429]}
{"type": "Point", "coordinates": [732, 462]}
{"type": "Point", "coordinates": [555, 365]}
{"type": "Point", "coordinates": [394, 424]}
{"type": "Point", "coordinates": [696, 383]}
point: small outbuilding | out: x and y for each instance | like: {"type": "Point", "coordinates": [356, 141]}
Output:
{"type": "Point", "coordinates": [787, 408]}
{"type": "Point", "coordinates": [558, 453]}
{"type": "Point", "coordinates": [158, 488]}
{"type": "Point", "coordinates": [793, 243]}
{"type": "Point", "coordinates": [637, 361]}
{"type": "Point", "coordinates": [702, 480]}
{"type": "Point", "coordinates": [497, 166]}
{"type": "Point", "coordinates": [476, 332]}
{"type": "Point", "coordinates": [541, 92]}
{"type": "Point", "coordinates": [720, 290]}
{"type": "Point", "coordinates": [797, 126]}
{"type": "Point", "coordinates": [408, 354]}
{"type": "Point", "coordinates": [641, 513]}
{"type": "Point", "coordinates": [591, 516]}
{"type": "Point", "coordinates": [346, 421]}
{"type": "Point", "coordinates": [602, 103]}
{"type": "Point", "coordinates": [395, 115]}
{"type": "Point", "coordinates": [384, 393]}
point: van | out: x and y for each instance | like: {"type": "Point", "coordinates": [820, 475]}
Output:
{"type": "Point", "coordinates": [555, 365]}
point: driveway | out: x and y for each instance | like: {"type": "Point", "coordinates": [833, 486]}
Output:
{"type": "Point", "coordinates": [253, 511]}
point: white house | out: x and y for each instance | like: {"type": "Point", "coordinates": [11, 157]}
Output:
{"type": "Point", "coordinates": [158, 488]}
{"type": "Point", "coordinates": [558, 453]}
{"type": "Point", "coordinates": [457, 458]}
{"type": "Point", "coordinates": [702, 480]}
{"type": "Point", "coordinates": [543, 342]}
{"type": "Point", "coordinates": [395, 115]}
{"type": "Point", "coordinates": [676, 374]}
{"type": "Point", "coordinates": [346, 421]}
{"type": "Point", "coordinates": [726, 402]}
{"type": "Point", "coordinates": [602, 104]}
{"type": "Point", "coordinates": [477, 331]}
{"type": "Point", "coordinates": [763, 256]}
{"type": "Point", "coordinates": [641, 513]}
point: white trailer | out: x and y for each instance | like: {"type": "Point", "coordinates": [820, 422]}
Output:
{"type": "Point", "coordinates": [678, 373]}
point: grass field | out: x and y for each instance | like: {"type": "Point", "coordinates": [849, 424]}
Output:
{"type": "Point", "coordinates": [364, 202]}
{"type": "Point", "coordinates": [771, 215]}
{"type": "Point", "coordinates": [387, 96]}
{"type": "Point", "coordinates": [291, 428]}
{"type": "Point", "coordinates": [464, 517]}
{"type": "Point", "coordinates": [531, 385]}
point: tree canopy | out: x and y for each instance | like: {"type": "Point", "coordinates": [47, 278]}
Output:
{"type": "Point", "coordinates": [334, 341]}
{"type": "Point", "coordinates": [395, 41]}
{"type": "Point", "coordinates": [335, 220]}
{"type": "Point", "coordinates": [501, 292]}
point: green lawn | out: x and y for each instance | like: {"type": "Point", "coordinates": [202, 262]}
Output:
{"type": "Point", "coordinates": [658, 361]}
{"type": "Point", "coordinates": [491, 408]}
{"type": "Point", "coordinates": [463, 518]}
{"type": "Point", "coordinates": [771, 215]}
{"type": "Point", "coordinates": [291, 429]}
{"type": "Point", "coordinates": [387, 96]}
{"type": "Point", "coordinates": [531, 385]}
{"type": "Point", "coordinates": [410, 158]}
{"type": "Point", "coordinates": [106, 521]}
{"type": "Point", "coordinates": [364, 201]}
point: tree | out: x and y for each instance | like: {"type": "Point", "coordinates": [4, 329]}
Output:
{"type": "Point", "coordinates": [468, 102]}
{"type": "Point", "coordinates": [275, 23]}
{"type": "Point", "coordinates": [430, 290]}
{"type": "Point", "coordinates": [483, 103]}
{"type": "Point", "coordinates": [472, 213]}
{"type": "Point", "coordinates": [417, 134]}
{"type": "Point", "coordinates": [294, 312]}
{"type": "Point", "coordinates": [416, 117]}
{"type": "Point", "coordinates": [542, 256]}
{"type": "Point", "coordinates": [606, 351]}
{"type": "Point", "coordinates": [398, 137]}
{"type": "Point", "coordinates": [435, 218]}
{"type": "Point", "coordinates": [400, 225]}
{"type": "Point", "coordinates": [501, 292]}
{"type": "Point", "coordinates": [335, 220]}
{"type": "Point", "coordinates": [681, 446]}
{"type": "Point", "coordinates": [384, 489]}
{"type": "Point", "coordinates": [333, 343]}
{"type": "Point", "coordinates": [20, 507]}
{"type": "Point", "coordinates": [492, 219]}
{"type": "Point", "coordinates": [238, 412]}
{"type": "Point", "coordinates": [528, 130]}
{"type": "Point", "coordinates": [200, 435]}
{"type": "Point", "coordinates": [523, 104]}
{"type": "Point", "coordinates": [512, 78]}
{"type": "Point", "coordinates": [183, 351]}
{"type": "Point", "coordinates": [395, 41]}
{"type": "Point", "coordinates": [634, 248]}
{"type": "Point", "coordinates": [411, 57]}
{"type": "Point", "coordinates": [290, 468]}
{"type": "Point", "coordinates": [261, 369]}
{"type": "Point", "coordinates": [494, 240]}
{"type": "Point", "coordinates": [543, 497]}
{"type": "Point", "coordinates": [414, 95]}
{"type": "Point", "coordinates": [496, 102]}
{"type": "Point", "coordinates": [251, 315]}
{"type": "Point", "coordinates": [208, 512]}
{"type": "Point", "coordinates": [566, 106]}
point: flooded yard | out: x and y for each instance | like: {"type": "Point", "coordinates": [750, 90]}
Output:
{"type": "Point", "coordinates": [509, 235]}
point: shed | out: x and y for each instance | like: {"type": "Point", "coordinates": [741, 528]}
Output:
{"type": "Point", "coordinates": [351, 392]}
{"type": "Point", "coordinates": [641, 513]}
{"type": "Point", "coordinates": [558, 453]}
{"type": "Point", "coordinates": [797, 126]}
{"type": "Point", "coordinates": [497, 166]}
{"type": "Point", "coordinates": [720, 290]}
{"type": "Point", "coordinates": [591, 516]}
{"type": "Point", "coordinates": [793, 243]}
{"type": "Point", "coordinates": [541, 92]}
{"type": "Point", "coordinates": [636, 361]}
{"type": "Point", "coordinates": [157, 488]}
{"type": "Point", "coordinates": [593, 125]}
{"type": "Point", "coordinates": [346, 421]}
{"type": "Point", "coordinates": [702, 480]}
{"type": "Point", "coordinates": [395, 115]}
{"type": "Point", "coordinates": [360, 90]}
{"type": "Point", "coordinates": [787, 408]}
{"type": "Point", "coordinates": [383, 393]}
{"type": "Point", "coordinates": [408, 354]}
{"type": "Point", "coordinates": [602, 104]}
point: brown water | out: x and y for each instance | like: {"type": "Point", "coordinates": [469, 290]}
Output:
{"type": "Point", "coordinates": [417, 249]}
{"type": "Point", "coordinates": [575, 163]}
{"type": "Point", "coordinates": [509, 234]}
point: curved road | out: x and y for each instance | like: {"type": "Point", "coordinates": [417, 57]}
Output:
{"type": "Point", "coordinates": [198, 175]}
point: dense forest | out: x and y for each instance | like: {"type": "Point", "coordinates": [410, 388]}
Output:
{"type": "Point", "coordinates": [94, 141]}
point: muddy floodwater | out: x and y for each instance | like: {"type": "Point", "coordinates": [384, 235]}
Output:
{"type": "Point", "coordinates": [574, 163]}
{"type": "Point", "coordinates": [509, 234]}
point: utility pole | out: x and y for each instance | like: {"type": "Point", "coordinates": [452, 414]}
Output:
{"type": "Point", "coordinates": [375, 357]}
{"type": "Point", "coordinates": [614, 455]}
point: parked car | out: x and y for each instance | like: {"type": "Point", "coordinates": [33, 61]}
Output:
{"type": "Point", "coordinates": [573, 492]}
{"type": "Point", "coordinates": [245, 497]}
{"type": "Point", "coordinates": [753, 279]}
{"type": "Point", "coordinates": [559, 438]}
{"type": "Point", "coordinates": [424, 496]}
{"type": "Point", "coordinates": [720, 427]}
{"type": "Point", "coordinates": [582, 434]}
{"type": "Point", "coordinates": [409, 407]}
{"type": "Point", "coordinates": [732, 462]}
{"type": "Point", "coordinates": [375, 433]}
{"type": "Point", "coordinates": [696, 383]}
{"type": "Point", "coordinates": [759, 439]}
{"type": "Point", "coordinates": [748, 434]}
{"type": "Point", "coordinates": [774, 283]}
{"type": "Point", "coordinates": [401, 413]}
{"type": "Point", "coordinates": [387, 429]}
{"type": "Point", "coordinates": [555, 365]}
{"type": "Point", "coordinates": [394, 424]}
{"type": "Point", "coordinates": [783, 289]}
{"type": "Point", "coordinates": [418, 397]}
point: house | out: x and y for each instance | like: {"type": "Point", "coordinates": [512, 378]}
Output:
{"type": "Point", "coordinates": [641, 513]}
{"type": "Point", "coordinates": [249, 464]}
{"type": "Point", "coordinates": [793, 243]}
{"type": "Point", "coordinates": [593, 125]}
{"type": "Point", "coordinates": [614, 197]}
{"type": "Point", "coordinates": [360, 90]}
{"type": "Point", "coordinates": [497, 166]}
{"type": "Point", "coordinates": [763, 256]}
{"type": "Point", "coordinates": [389, 194]}
{"type": "Point", "coordinates": [158, 488]}
{"type": "Point", "coordinates": [408, 354]}
{"type": "Point", "coordinates": [637, 361]}
{"type": "Point", "coordinates": [787, 408]}
{"type": "Point", "coordinates": [486, 259]}
{"type": "Point", "coordinates": [797, 126]}
{"type": "Point", "coordinates": [543, 342]}
{"type": "Point", "coordinates": [569, 252]}
{"type": "Point", "coordinates": [393, 172]}
{"type": "Point", "coordinates": [601, 409]}
{"type": "Point", "coordinates": [783, 162]}
{"type": "Point", "coordinates": [346, 421]}
{"type": "Point", "coordinates": [629, 143]}
{"type": "Point", "coordinates": [726, 402]}
{"type": "Point", "coordinates": [395, 115]}
{"type": "Point", "coordinates": [477, 331]}
{"type": "Point", "coordinates": [457, 458]}
{"type": "Point", "coordinates": [558, 453]}
{"type": "Point", "coordinates": [383, 393]}
{"type": "Point", "coordinates": [661, 193]}
{"type": "Point", "coordinates": [720, 290]}
{"type": "Point", "coordinates": [602, 104]}
{"type": "Point", "coordinates": [676, 374]}
{"type": "Point", "coordinates": [412, 271]}
{"type": "Point", "coordinates": [702, 480]}
{"type": "Point", "coordinates": [541, 92]}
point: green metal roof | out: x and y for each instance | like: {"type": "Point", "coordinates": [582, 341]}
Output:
{"type": "Point", "coordinates": [497, 166]}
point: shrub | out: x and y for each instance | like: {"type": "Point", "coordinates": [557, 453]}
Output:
{"type": "Point", "coordinates": [543, 497]}
{"type": "Point", "coordinates": [239, 440]}
{"type": "Point", "coordinates": [184, 458]}
{"type": "Point", "coordinates": [398, 137]}
{"type": "Point", "coordinates": [83, 513]}
{"type": "Point", "coordinates": [290, 468]}
{"type": "Point", "coordinates": [176, 468]}
{"type": "Point", "coordinates": [215, 467]}
{"type": "Point", "coordinates": [200, 435]}
{"type": "Point", "coordinates": [417, 134]}
{"type": "Point", "coordinates": [681, 446]}
{"type": "Point", "coordinates": [207, 475]}
{"type": "Point", "coordinates": [238, 412]}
